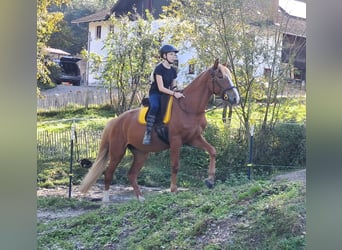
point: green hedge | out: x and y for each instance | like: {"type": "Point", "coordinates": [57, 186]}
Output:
{"type": "Point", "coordinates": [282, 145]}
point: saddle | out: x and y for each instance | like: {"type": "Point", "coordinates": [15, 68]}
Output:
{"type": "Point", "coordinates": [162, 118]}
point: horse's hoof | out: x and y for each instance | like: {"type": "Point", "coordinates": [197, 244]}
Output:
{"type": "Point", "coordinates": [105, 198]}
{"type": "Point", "coordinates": [209, 183]}
{"type": "Point", "coordinates": [141, 198]}
{"type": "Point", "coordinates": [105, 201]}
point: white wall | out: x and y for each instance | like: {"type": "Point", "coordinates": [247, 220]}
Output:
{"type": "Point", "coordinates": [96, 46]}
{"type": "Point", "coordinates": [186, 53]}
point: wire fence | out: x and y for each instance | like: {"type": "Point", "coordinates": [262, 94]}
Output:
{"type": "Point", "coordinates": [56, 145]}
{"type": "Point", "coordinates": [284, 147]}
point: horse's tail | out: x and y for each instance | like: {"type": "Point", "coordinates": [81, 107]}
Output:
{"type": "Point", "coordinates": [99, 165]}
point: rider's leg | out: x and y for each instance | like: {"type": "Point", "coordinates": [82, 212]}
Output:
{"type": "Point", "coordinates": [151, 117]}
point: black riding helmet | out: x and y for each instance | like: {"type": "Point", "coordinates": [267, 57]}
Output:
{"type": "Point", "coordinates": [166, 49]}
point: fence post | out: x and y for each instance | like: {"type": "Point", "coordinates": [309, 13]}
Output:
{"type": "Point", "coordinates": [250, 162]}
{"type": "Point", "coordinates": [71, 155]}
{"type": "Point", "coordinates": [86, 103]}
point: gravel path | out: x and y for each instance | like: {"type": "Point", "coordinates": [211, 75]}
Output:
{"type": "Point", "coordinates": [299, 175]}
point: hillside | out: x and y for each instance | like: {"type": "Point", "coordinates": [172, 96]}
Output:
{"type": "Point", "coordinates": [255, 215]}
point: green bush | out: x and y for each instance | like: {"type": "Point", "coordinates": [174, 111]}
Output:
{"type": "Point", "coordinates": [283, 145]}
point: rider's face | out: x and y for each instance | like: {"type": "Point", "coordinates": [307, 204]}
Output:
{"type": "Point", "coordinates": [171, 56]}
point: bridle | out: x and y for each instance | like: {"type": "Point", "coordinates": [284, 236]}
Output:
{"type": "Point", "coordinates": [225, 95]}
{"type": "Point", "coordinates": [214, 79]}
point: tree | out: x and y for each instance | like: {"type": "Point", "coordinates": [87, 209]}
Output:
{"type": "Point", "coordinates": [55, 31]}
{"type": "Point", "coordinates": [243, 38]}
{"type": "Point", "coordinates": [131, 56]}
{"type": "Point", "coordinates": [47, 24]}
{"type": "Point", "coordinates": [70, 37]}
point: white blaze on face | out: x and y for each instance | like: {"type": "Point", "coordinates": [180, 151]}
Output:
{"type": "Point", "coordinates": [237, 96]}
{"type": "Point", "coordinates": [226, 71]}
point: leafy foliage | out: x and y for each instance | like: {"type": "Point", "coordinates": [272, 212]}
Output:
{"type": "Point", "coordinates": [246, 41]}
{"type": "Point", "coordinates": [47, 24]}
{"type": "Point", "coordinates": [71, 37]}
{"type": "Point", "coordinates": [130, 59]}
{"type": "Point", "coordinates": [283, 145]}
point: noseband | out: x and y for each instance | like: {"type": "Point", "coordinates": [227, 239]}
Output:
{"type": "Point", "coordinates": [224, 90]}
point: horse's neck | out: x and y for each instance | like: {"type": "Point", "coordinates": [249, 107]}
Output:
{"type": "Point", "coordinates": [197, 94]}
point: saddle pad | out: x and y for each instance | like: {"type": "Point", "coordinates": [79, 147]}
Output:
{"type": "Point", "coordinates": [143, 111]}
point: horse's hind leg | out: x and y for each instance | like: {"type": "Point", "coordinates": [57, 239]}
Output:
{"type": "Point", "coordinates": [139, 159]}
{"type": "Point", "coordinates": [116, 156]}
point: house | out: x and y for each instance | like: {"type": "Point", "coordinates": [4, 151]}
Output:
{"type": "Point", "coordinates": [288, 17]}
{"type": "Point", "coordinates": [294, 38]}
{"type": "Point", "coordinates": [293, 11]}
{"type": "Point", "coordinates": [99, 25]}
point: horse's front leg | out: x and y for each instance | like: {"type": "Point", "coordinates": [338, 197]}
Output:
{"type": "Point", "coordinates": [200, 142]}
{"type": "Point", "coordinates": [174, 153]}
{"type": "Point", "coordinates": [138, 162]}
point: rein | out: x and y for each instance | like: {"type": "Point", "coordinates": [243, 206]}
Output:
{"type": "Point", "coordinates": [216, 107]}
{"type": "Point", "coordinates": [202, 112]}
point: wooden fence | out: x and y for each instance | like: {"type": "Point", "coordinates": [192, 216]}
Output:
{"type": "Point", "coordinates": [79, 98]}
{"type": "Point", "coordinates": [52, 145]}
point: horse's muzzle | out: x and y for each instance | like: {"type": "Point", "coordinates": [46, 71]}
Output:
{"type": "Point", "coordinates": [232, 98]}
{"type": "Point", "coordinates": [232, 101]}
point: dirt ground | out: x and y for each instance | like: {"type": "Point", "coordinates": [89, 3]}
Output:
{"type": "Point", "coordinates": [299, 175]}
{"type": "Point", "coordinates": [119, 194]}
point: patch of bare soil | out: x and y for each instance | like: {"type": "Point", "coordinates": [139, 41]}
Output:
{"type": "Point", "coordinates": [120, 193]}
{"type": "Point", "coordinates": [299, 175]}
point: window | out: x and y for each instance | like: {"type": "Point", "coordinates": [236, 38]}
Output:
{"type": "Point", "coordinates": [111, 28]}
{"type": "Point", "coordinates": [191, 69]}
{"type": "Point", "coordinates": [294, 52]}
{"type": "Point", "coordinates": [98, 32]}
{"type": "Point", "coordinates": [267, 72]}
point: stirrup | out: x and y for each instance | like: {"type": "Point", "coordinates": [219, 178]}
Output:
{"type": "Point", "coordinates": [147, 139]}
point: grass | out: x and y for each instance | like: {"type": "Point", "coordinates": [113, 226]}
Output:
{"type": "Point", "coordinates": [236, 214]}
{"type": "Point", "coordinates": [255, 215]}
{"type": "Point", "coordinates": [92, 118]}
{"type": "Point", "coordinates": [294, 110]}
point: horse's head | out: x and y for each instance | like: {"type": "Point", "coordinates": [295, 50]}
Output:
{"type": "Point", "coordinates": [223, 84]}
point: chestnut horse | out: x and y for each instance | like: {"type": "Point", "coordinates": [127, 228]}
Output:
{"type": "Point", "coordinates": [185, 127]}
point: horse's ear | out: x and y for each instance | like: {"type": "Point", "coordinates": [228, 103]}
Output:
{"type": "Point", "coordinates": [216, 63]}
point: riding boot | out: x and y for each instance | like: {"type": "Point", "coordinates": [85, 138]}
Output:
{"type": "Point", "coordinates": [149, 125]}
